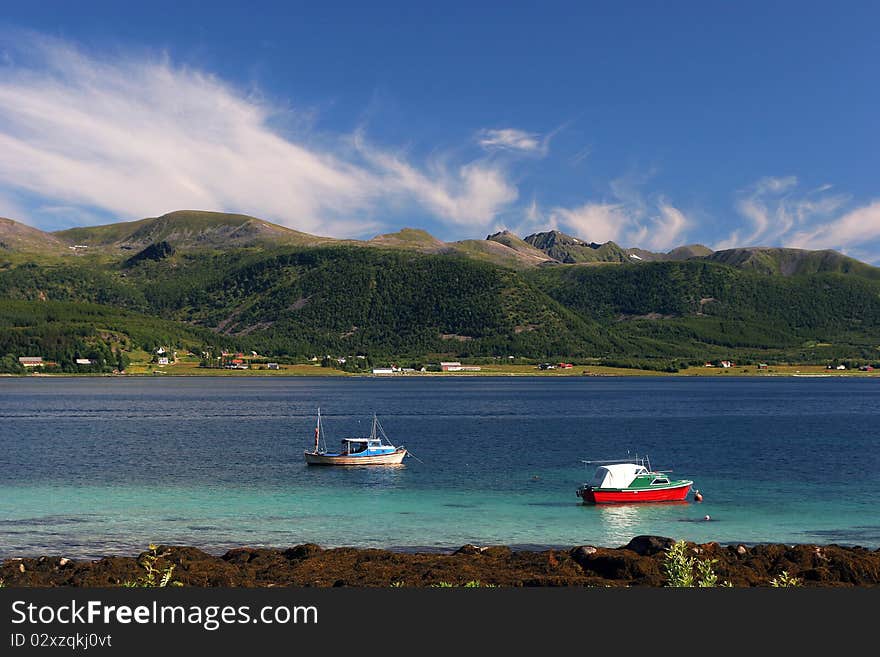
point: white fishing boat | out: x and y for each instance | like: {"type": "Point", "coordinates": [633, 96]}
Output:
{"type": "Point", "coordinates": [374, 449]}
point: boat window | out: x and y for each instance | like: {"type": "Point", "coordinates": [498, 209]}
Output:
{"type": "Point", "coordinates": [659, 481]}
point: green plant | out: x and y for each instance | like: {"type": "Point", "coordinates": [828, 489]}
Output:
{"type": "Point", "coordinates": [153, 576]}
{"type": "Point", "coordinates": [686, 571]}
{"type": "Point", "coordinates": [473, 584]}
{"type": "Point", "coordinates": [784, 580]}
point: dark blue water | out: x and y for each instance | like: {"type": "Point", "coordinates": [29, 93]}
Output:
{"type": "Point", "coordinates": [95, 466]}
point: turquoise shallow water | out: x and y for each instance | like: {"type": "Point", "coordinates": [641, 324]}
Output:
{"type": "Point", "coordinates": [96, 466]}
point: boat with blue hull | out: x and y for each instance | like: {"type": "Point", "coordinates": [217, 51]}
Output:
{"type": "Point", "coordinates": [374, 449]}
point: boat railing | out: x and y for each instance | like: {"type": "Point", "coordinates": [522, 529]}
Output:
{"type": "Point", "coordinates": [643, 461]}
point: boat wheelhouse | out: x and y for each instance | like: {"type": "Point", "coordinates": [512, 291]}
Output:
{"type": "Point", "coordinates": [632, 480]}
{"type": "Point", "coordinates": [374, 449]}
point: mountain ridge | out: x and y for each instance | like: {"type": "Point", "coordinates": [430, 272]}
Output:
{"type": "Point", "coordinates": [196, 229]}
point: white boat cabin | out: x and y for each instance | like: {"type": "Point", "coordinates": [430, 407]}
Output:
{"type": "Point", "coordinates": [616, 475]}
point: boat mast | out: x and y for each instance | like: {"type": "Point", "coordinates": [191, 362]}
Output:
{"type": "Point", "coordinates": [318, 431]}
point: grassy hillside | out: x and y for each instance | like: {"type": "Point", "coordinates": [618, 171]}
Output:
{"type": "Point", "coordinates": [409, 238]}
{"type": "Point", "coordinates": [189, 229]}
{"type": "Point", "coordinates": [793, 262]}
{"type": "Point", "coordinates": [16, 237]}
{"type": "Point", "coordinates": [500, 254]}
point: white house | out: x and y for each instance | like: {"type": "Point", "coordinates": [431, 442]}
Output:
{"type": "Point", "coordinates": [451, 366]}
{"type": "Point", "coordinates": [163, 360]}
{"type": "Point", "coordinates": [383, 370]}
{"type": "Point", "coordinates": [84, 361]}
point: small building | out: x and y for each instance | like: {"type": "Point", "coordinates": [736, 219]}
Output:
{"type": "Point", "coordinates": [163, 360]}
{"type": "Point", "coordinates": [84, 361]}
{"type": "Point", "coordinates": [565, 366]}
{"type": "Point", "coordinates": [272, 366]}
{"type": "Point", "coordinates": [450, 366]}
{"type": "Point", "coordinates": [161, 350]}
{"type": "Point", "coordinates": [841, 366]}
{"type": "Point", "coordinates": [727, 363]}
{"type": "Point", "coordinates": [470, 368]}
{"type": "Point", "coordinates": [763, 366]}
{"type": "Point", "coordinates": [383, 370]}
{"type": "Point", "coordinates": [31, 361]}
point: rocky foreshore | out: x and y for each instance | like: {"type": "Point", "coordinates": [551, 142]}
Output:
{"type": "Point", "coordinates": [639, 563]}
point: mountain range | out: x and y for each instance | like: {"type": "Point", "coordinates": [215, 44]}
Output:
{"type": "Point", "coordinates": [200, 279]}
{"type": "Point", "coordinates": [194, 230]}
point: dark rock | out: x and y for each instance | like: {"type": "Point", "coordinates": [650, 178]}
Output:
{"type": "Point", "coordinates": [469, 549]}
{"type": "Point", "coordinates": [639, 564]}
{"type": "Point", "coordinates": [647, 546]}
{"type": "Point", "coordinates": [303, 551]}
{"type": "Point", "coordinates": [582, 553]}
{"type": "Point", "coordinates": [157, 251]}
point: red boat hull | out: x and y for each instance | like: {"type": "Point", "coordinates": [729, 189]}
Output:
{"type": "Point", "coordinates": [671, 494]}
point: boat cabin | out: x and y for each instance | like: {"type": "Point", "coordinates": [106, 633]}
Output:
{"type": "Point", "coordinates": [616, 475]}
{"type": "Point", "coordinates": [627, 475]}
{"type": "Point", "coordinates": [364, 446]}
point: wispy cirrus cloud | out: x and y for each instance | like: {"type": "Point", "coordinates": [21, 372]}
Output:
{"type": "Point", "coordinates": [469, 193]}
{"type": "Point", "coordinates": [134, 136]}
{"type": "Point", "coordinates": [781, 213]}
{"type": "Point", "coordinates": [629, 217]}
{"type": "Point", "coordinates": [511, 139]}
{"type": "Point", "coordinates": [851, 231]}
{"type": "Point", "coordinates": [775, 207]}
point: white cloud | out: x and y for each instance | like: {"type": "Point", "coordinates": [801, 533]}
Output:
{"type": "Point", "coordinates": [595, 222]}
{"type": "Point", "coordinates": [666, 229]}
{"type": "Point", "coordinates": [471, 193]}
{"type": "Point", "coordinates": [850, 231]}
{"type": "Point", "coordinates": [631, 220]}
{"type": "Point", "coordinates": [511, 139]}
{"type": "Point", "coordinates": [774, 208]}
{"type": "Point", "coordinates": [137, 137]}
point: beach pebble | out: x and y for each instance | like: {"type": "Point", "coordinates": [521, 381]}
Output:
{"type": "Point", "coordinates": [741, 550]}
{"type": "Point", "coordinates": [21, 568]}
{"type": "Point", "coordinates": [63, 561]}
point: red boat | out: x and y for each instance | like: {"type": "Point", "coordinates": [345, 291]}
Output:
{"type": "Point", "coordinates": [632, 481]}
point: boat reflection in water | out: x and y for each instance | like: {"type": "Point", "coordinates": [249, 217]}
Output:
{"type": "Point", "coordinates": [620, 522]}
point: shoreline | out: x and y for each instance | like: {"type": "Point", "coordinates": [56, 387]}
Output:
{"type": "Point", "coordinates": [638, 563]}
{"type": "Point", "coordinates": [852, 374]}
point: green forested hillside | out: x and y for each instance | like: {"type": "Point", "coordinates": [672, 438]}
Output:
{"type": "Point", "coordinates": [686, 308]}
{"type": "Point", "coordinates": [302, 301]}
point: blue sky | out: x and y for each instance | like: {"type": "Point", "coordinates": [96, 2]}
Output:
{"type": "Point", "coordinates": [652, 124]}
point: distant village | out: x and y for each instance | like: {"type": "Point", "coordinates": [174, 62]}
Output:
{"type": "Point", "coordinates": [163, 357]}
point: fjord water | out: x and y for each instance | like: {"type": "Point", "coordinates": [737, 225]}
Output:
{"type": "Point", "coordinates": [107, 465]}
